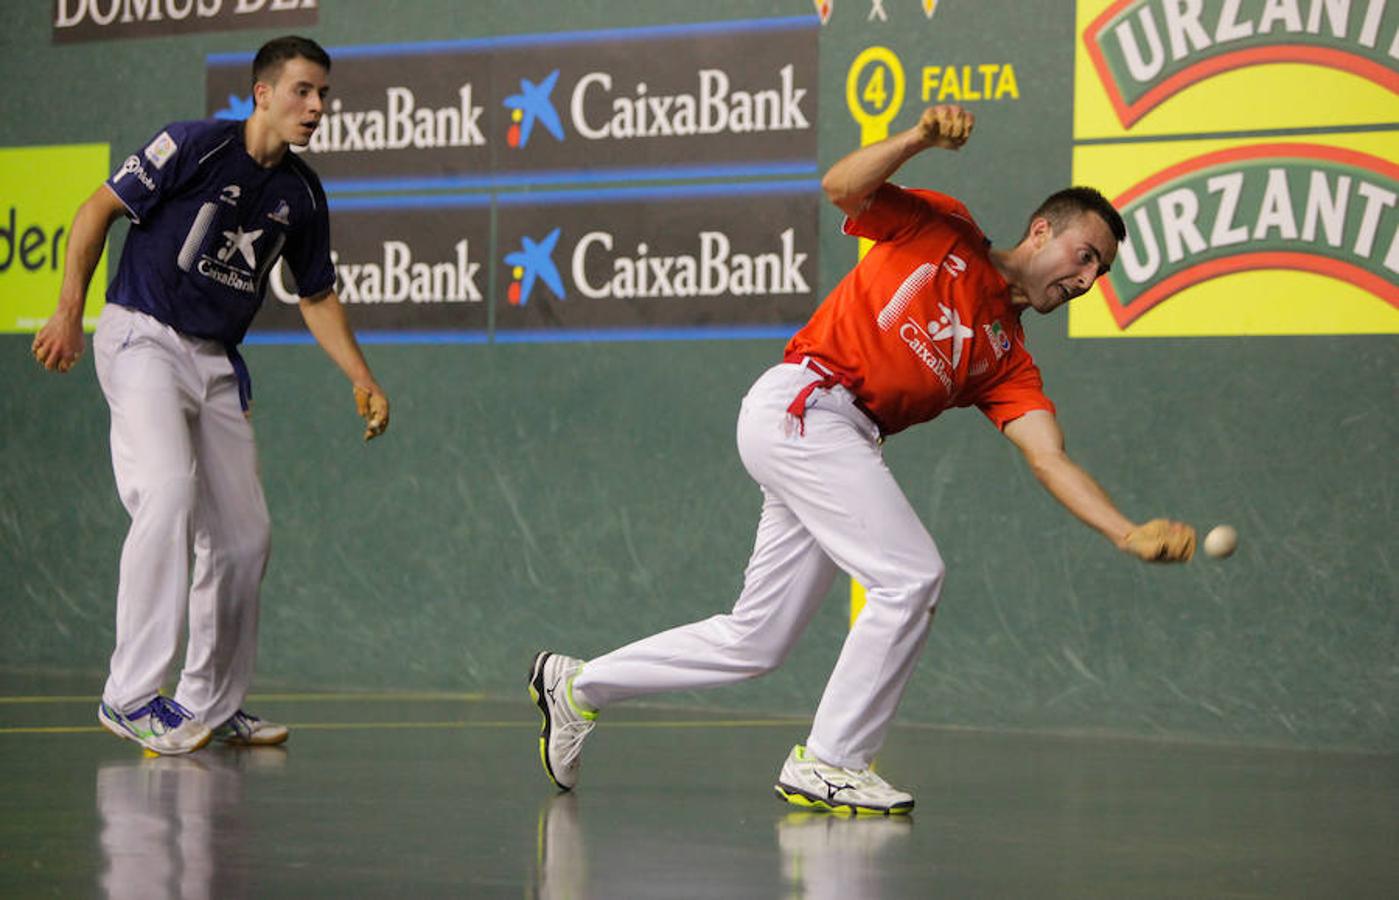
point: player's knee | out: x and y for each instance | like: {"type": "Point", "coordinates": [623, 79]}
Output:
{"type": "Point", "coordinates": [167, 500]}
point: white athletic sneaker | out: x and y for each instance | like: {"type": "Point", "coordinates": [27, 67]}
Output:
{"type": "Point", "coordinates": [565, 724]}
{"type": "Point", "coordinates": [247, 730]}
{"type": "Point", "coordinates": [807, 782]}
{"type": "Point", "coordinates": [161, 726]}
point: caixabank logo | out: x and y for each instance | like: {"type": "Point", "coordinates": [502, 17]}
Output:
{"type": "Point", "coordinates": [395, 114]}
{"type": "Point", "coordinates": [409, 263]}
{"type": "Point", "coordinates": [1255, 238]}
{"type": "Point", "coordinates": [1242, 64]}
{"type": "Point", "coordinates": [722, 92]}
{"type": "Point", "coordinates": [673, 257]}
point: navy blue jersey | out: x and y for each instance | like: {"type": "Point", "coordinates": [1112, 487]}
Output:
{"type": "Point", "coordinates": [208, 224]}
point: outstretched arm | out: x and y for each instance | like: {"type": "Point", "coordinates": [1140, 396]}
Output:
{"type": "Point", "coordinates": [1040, 439]}
{"type": "Point", "coordinates": [325, 317]}
{"type": "Point", "coordinates": [59, 343]}
{"type": "Point", "coordinates": [850, 182]}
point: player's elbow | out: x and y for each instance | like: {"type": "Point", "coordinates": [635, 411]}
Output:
{"type": "Point", "coordinates": [837, 190]}
{"type": "Point", "coordinates": [1046, 463]}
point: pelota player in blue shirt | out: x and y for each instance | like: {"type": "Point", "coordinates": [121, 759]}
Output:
{"type": "Point", "coordinates": [213, 206]}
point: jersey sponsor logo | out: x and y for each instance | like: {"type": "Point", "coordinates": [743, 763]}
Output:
{"type": "Point", "coordinates": [713, 269]}
{"type": "Point", "coordinates": [1147, 51]}
{"type": "Point", "coordinates": [161, 149]}
{"type": "Point", "coordinates": [1314, 208]}
{"type": "Point", "coordinates": [997, 337]}
{"type": "Point", "coordinates": [948, 327]}
{"type": "Point", "coordinates": [240, 242]}
{"type": "Point", "coordinates": [132, 166]}
{"type": "Point", "coordinates": [395, 276]}
{"type": "Point", "coordinates": [921, 343]}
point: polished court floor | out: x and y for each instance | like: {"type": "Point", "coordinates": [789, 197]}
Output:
{"type": "Point", "coordinates": [426, 795]}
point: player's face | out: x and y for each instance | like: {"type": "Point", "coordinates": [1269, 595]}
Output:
{"type": "Point", "coordinates": [1067, 262]}
{"type": "Point", "coordinates": [295, 103]}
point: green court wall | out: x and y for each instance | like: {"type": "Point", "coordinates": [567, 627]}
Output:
{"type": "Point", "coordinates": [577, 495]}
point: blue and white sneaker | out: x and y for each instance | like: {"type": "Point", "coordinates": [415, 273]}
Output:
{"type": "Point", "coordinates": [566, 724]}
{"type": "Point", "coordinates": [161, 726]}
{"type": "Point", "coordinates": [807, 782]}
{"type": "Point", "coordinates": [246, 730]}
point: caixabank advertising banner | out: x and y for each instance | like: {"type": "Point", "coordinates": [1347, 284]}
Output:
{"type": "Point", "coordinates": [675, 100]}
{"type": "Point", "coordinates": [437, 155]}
{"type": "Point", "coordinates": [708, 256]}
{"type": "Point", "coordinates": [403, 263]}
{"type": "Point", "coordinates": [1251, 149]}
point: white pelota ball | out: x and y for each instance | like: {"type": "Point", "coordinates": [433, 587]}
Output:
{"type": "Point", "coordinates": [1221, 541]}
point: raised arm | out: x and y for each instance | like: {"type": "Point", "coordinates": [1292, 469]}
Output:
{"type": "Point", "coordinates": [1039, 438]}
{"type": "Point", "coordinates": [59, 343]}
{"type": "Point", "coordinates": [325, 317]}
{"type": "Point", "coordinates": [850, 182]}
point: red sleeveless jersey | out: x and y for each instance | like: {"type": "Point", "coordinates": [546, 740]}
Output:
{"type": "Point", "coordinates": [924, 322]}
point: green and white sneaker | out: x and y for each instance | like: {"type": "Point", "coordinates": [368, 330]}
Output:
{"type": "Point", "coordinates": [161, 726]}
{"type": "Point", "coordinates": [807, 782]}
{"type": "Point", "coordinates": [566, 724]}
{"type": "Point", "coordinates": [245, 730]}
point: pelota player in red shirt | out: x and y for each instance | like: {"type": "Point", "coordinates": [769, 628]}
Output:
{"type": "Point", "coordinates": [928, 320]}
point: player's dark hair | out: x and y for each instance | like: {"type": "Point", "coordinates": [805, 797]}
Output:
{"type": "Point", "coordinates": [1062, 207]}
{"type": "Point", "coordinates": [267, 65]}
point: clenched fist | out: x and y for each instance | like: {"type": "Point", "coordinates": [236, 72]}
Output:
{"type": "Point", "coordinates": [1161, 540]}
{"type": "Point", "coordinates": [947, 126]}
{"type": "Point", "coordinates": [373, 407]}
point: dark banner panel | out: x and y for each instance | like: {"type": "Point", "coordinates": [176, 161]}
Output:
{"type": "Point", "coordinates": [409, 263]}
{"type": "Point", "coordinates": [683, 256]}
{"type": "Point", "coordinates": [553, 107]}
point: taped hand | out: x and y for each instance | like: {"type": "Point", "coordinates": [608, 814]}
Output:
{"type": "Point", "coordinates": [373, 407]}
{"type": "Point", "coordinates": [1161, 540]}
{"type": "Point", "coordinates": [947, 126]}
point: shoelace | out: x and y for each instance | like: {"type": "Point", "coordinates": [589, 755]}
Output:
{"type": "Point", "coordinates": [164, 710]}
{"type": "Point", "coordinates": [571, 735]}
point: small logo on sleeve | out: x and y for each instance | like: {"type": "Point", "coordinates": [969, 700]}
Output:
{"type": "Point", "coordinates": [161, 149]}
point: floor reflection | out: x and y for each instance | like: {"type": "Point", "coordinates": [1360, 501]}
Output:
{"type": "Point", "coordinates": [171, 826]}
{"type": "Point", "coordinates": [617, 850]}
{"type": "Point", "coordinates": [838, 856]}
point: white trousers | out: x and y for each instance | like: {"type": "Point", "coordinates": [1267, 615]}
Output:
{"type": "Point", "coordinates": [828, 501]}
{"type": "Point", "coordinates": [186, 471]}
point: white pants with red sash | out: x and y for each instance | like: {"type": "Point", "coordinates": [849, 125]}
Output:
{"type": "Point", "coordinates": [829, 502]}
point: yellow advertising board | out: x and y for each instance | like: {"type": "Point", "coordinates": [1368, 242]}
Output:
{"type": "Point", "coordinates": [1251, 147]}
{"type": "Point", "coordinates": [1247, 237]}
{"type": "Point", "coordinates": [40, 190]}
{"type": "Point", "coordinates": [1161, 67]}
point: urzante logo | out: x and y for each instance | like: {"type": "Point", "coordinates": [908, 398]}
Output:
{"type": "Point", "coordinates": [532, 105]}
{"type": "Point", "coordinates": [714, 270]}
{"type": "Point", "coordinates": [712, 109]}
{"type": "Point", "coordinates": [395, 277]}
{"type": "Point", "coordinates": [532, 261]}
{"type": "Point", "coordinates": [1206, 39]}
{"type": "Point", "coordinates": [1305, 207]}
